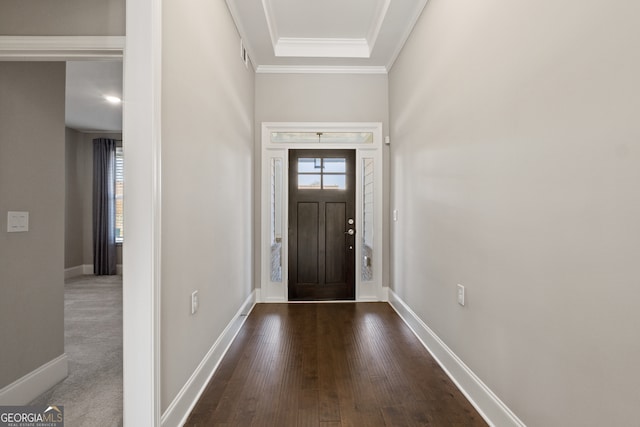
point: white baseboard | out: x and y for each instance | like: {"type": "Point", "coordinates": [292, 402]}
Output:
{"type": "Point", "coordinates": [178, 411]}
{"type": "Point", "coordinates": [490, 407]}
{"type": "Point", "coordinates": [385, 294]}
{"type": "Point", "coordinates": [36, 382]}
{"type": "Point", "coordinates": [76, 271]}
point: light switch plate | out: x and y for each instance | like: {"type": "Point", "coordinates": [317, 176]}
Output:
{"type": "Point", "coordinates": [17, 221]}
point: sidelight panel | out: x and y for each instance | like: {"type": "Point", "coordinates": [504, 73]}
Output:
{"type": "Point", "coordinates": [276, 219]}
{"type": "Point", "coordinates": [367, 218]}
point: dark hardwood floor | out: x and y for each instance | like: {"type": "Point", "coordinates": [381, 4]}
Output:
{"type": "Point", "coordinates": [325, 364]}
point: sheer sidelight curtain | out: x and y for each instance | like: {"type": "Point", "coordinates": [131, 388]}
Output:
{"type": "Point", "coordinates": [104, 237]}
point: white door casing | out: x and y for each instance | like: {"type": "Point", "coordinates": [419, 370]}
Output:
{"type": "Point", "coordinates": [274, 211]}
{"type": "Point", "coordinates": [140, 52]}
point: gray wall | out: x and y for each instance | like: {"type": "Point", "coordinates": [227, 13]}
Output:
{"type": "Point", "coordinates": [207, 187]}
{"type": "Point", "coordinates": [74, 196]}
{"type": "Point", "coordinates": [321, 98]}
{"type": "Point", "coordinates": [79, 200]}
{"type": "Point", "coordinates": [32, 143]}
{"type": "Point", "coordinates": [62, 18]}
{"type": "Point", "coordinates": [515, 153]}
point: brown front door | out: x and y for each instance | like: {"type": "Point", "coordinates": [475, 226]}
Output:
{"type": "Point", "coordinates": [322, 224]}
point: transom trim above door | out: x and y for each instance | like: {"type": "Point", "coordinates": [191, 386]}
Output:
{"type": "Point", "coordinates": [337, 243]}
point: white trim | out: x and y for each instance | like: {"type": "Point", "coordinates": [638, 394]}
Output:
{"type": "Point", "coordinates": [36, 382]}
{"type": "Point", "coordinates": [278, 291]}
{"type": "Point", "coordinates": [385, 294]}
{"type": "Point", "coordinates": [320, 126]}
{"type": "Point", "coordinates": [318, 47]}
{"type": "Point", "coordinates": [407, 32]}
{"type": "Point", "coordinates": [320, 69]}
{"type": "Point", "coordinates": [71, 272]}
{"type": "Point", "coordinates": [141, 255]}
{"type": "Point", "coordinates": [322, 48]}
{"type": "Point", "coordinates": [87, 269]}
{"type": "Point", "coordinates": [180, 408]}
{"type": "Point", "coordinates": [271, 23]}
{"type": "Point", "coordinates": [490, 407]}
{"type": "Point", "coordinates": [142, 113]}
{"type": "Point", "coordinates": [376, 25]}
{"type": "Point", "coordinates": [61, 48]}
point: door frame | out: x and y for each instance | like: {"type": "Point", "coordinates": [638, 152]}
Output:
{"type": "Point", "coordinates": [140, 52]}
{"type": "Point", "coordinates": [277, 291]}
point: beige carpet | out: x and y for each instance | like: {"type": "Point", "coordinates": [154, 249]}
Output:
{"type": "Point", "coordinates": [92, 393]}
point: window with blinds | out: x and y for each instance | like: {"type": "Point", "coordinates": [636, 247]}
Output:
{"type": "Point", "coordinates": [119, 224]}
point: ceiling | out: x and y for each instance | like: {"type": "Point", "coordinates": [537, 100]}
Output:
{"type": "Point", "coordinates": [88, 82]}
{"type": "Point", "coordinates": [280, 36]}
{"type": "Point", "coordinates": [359, 36]}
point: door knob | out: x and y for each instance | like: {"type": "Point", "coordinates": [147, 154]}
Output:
{"type": "Point", "coordinates": [350, 232]}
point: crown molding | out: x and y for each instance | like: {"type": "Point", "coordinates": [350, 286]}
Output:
{"type": "Point", "coordinates": [271, 23]}
{"type": "Point", "coordinates": [43, 48]}
{"type": "Point", "coordinates": [319, 69]}
{"type": "Point", "coordinates": [322, 48]}
{"type": "Point", "coordinates": [386, 10]}
{"type": "Point", "coordinates": [376, 26]}
{"type": "Point", "coordinates": [407, 32]}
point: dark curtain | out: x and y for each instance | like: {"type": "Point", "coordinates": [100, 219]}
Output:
{"type": "Point", "coordinates": [104, 235]}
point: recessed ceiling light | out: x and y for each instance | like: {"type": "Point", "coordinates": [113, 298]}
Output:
{"type": "Point", "coordinates": [113, 99]}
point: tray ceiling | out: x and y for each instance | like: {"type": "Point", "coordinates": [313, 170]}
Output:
{"type": "Point", "coordinates": [324, 36]}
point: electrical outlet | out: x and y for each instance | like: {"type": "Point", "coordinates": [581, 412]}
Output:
{"type": "Point", "coordinates": [460, 294]}
{"type": "Point", "coordinates": [194, 302]}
